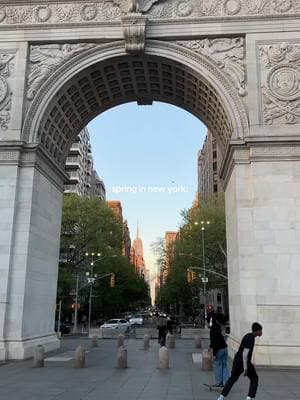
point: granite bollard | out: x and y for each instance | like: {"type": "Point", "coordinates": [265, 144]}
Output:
{"type": "Point", "coordinates": [39, 356]}
{"type": "Point", "coordinates": [120, 342]}
{"type": "Point", "coordinates": [207, 361]}
{"type": "Point", "coordinates": [163, 358]}
{"type": "Point", "coordinates": [122, 357]}
{"type": "Point", "coordinates": [146, 342]}
{"type": "Point", "coordinates": [79, 357]}
{"type": "Point", "coordinates": [94, 341]}
{"type": "Point", "coordinates": [198, 342]}
{"type": "Point", "coordinates": [171, 341]}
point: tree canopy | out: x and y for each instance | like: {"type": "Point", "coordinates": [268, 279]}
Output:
{"type": "Point", "coordinates": [89, 225]}
{"type": "Point", "coordinates": [188, 254]}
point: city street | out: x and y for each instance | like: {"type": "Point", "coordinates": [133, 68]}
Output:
{"type": "Point", "coordinates": [142, 380]}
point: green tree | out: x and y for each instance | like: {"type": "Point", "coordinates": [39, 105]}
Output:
{"type": "Point", "coordinates": [188, 253]}
{"type": "Point", "coordinates": [89, 225]}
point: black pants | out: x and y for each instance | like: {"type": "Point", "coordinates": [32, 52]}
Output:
{"type": "Point", "coordinates": [162, 333]}
{"type": "Point", "coordinates": [236, 372]}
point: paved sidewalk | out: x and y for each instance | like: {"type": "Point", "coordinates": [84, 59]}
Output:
{"type": "Point", "coordinates": [59, 380]}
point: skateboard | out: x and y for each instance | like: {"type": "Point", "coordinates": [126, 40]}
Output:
{"type": "Point", "coordinates": [213, 387]}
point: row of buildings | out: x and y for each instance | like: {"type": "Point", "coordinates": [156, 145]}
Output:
{"type": "Point", "coordinates": [209, 185]}
{"type": "Point", "coordinates": [83, 180]}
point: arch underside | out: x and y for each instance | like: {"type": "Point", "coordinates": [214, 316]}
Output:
{"type": "Point", "coordinates": [125, 79]}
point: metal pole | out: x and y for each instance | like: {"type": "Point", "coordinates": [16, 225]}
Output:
{"type": "Point", "coordinates": [204, 277]}
{"type": "Point", "coordinates": [59, 318]}
{"type": "Point", "coordinates": [91, 296]}
{"type": "Point", "coordinates": [76, 303]}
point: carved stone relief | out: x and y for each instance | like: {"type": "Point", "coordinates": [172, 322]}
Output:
{"type": "Point", "coordinates": [228, 53]}
{"type": "Point", "coordinates": [44, 59]}
{"type": "Point", "coordinates": [111, 10]}
{"type": "Point", "coordinates": [134, 28]}
{"type": "Point", "coordinates": [280, 82]}
{"type": "Point", "coordinates": [6, 68]}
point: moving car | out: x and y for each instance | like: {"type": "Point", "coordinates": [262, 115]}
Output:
{"type": "Point", "coordinates": [136, 319]}
{"type": "Point", "coordinates": [121, 325]}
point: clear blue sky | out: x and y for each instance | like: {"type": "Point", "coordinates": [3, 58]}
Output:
{"type": "Point", "coordinates": [147, 157]}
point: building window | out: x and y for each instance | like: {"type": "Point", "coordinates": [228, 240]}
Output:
{"type": "Point", "coordinates": [219, 298]}
{"type": "Point", "coordinates": [214, 154]}
{"type": "Point", "coordinates": [215, 188]}
{"type": "Point", "coordinates": [214, 166]}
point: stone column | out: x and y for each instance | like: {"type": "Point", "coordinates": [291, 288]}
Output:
{"type": "Point", "coordinates": [263, 236]}
{"type": "Point", "coordinates": [12, 77]}
{"type": "Point", "coordinates": [31, 192]}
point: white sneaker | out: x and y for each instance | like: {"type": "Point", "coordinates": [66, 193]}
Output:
{"type": "Point", "coordinates": [249, 398]}
{"type": "Point", "coordinates": [221, 397]}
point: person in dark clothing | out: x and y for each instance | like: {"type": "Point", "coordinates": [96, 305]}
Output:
{"type": "Point", "coordinates": [162, 330]}
{"type": "Point", "coordinates": [242, 364]}
{"type": "Point", "coordinates": [170, 326]}
{"type": "Point", "coordinates": [220, 353]}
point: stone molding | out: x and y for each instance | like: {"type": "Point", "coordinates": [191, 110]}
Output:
{"type": "Point", "coordinates": [7, 65]}
{"type": "Point", "coordinates": [52, 12]}
{"type": "Point", "coordinates": [24, 155]}
{"type": "Point", "coordinates": [246, 153]}
{"type": "Point", "coordinates": [134, 30]}
{"type": "Point", "coordinates": [280, 82]}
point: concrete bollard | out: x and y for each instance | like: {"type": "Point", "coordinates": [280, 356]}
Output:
{"type": "Point", "coordinates": [39, 356]}
{"type": "Point", "coordinates": [163, 358]}
{"type": "Point", "coordinates": [207, 361]}
{"type": "Point", "coordinates": [122, 357]}
{"type": "Point", "coordinates": [120, 342]}
{"type": "Point", "coordinates": [94, 341]}
{"type": "Point", "coordinates": [80, 357]}
{"type": "Point", "coordinates": [146, 342]}
{"type": "Point", "coordinates": [171, 341]}
{"type": "Point", "coordinates": [198, 342]}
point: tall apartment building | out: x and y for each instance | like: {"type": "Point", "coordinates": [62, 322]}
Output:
{"type": "Point", "coordinates": [83, 179]}
{"type": "Point", "coordinates": [137, 257]}
{"type": "Point", "coordinates": [116, 207]}
{"type": "Point", "coordinates": [209, 162]}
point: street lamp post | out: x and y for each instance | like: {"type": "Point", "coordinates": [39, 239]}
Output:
{"type": "Point", "coordinates": [204, 278]}
{"type": "Point", "coordinates": [92, 279]}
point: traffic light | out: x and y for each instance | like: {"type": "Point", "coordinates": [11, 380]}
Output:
{"type": "Point", "coordinates": [112, 280]}
{"type": "Point", "coordinates": [191, 275]}
{"type": "Point", "coordinates": [194, 275]}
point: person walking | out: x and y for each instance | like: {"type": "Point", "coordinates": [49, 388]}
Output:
{"type": "Point", "coordinates": [242, 364]}
{"type": "Point", "coordinates": [162, 330]}
{"type": "Point", "coordinates": [220, 353]}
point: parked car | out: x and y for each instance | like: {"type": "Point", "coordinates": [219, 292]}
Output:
{"type": "Point", "coordinates": [136, 320]}
{"type": "Point", "coordinates": [118, 324]}
{"type": "Point", "coordinates": [64, 328]}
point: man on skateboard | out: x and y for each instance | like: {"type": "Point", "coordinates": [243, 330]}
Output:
{"type": "Point", "coordinates": [242, 364]}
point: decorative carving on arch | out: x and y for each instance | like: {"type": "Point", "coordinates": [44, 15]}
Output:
{"type": "Point", "coordinates": [281, 82]}
{"type": "Point", "coordinates": [98, 81]}
{"type": "Point", "coordinates": [6, 67]}
{"type": "Point", "coordinates": [66, 12]}
{"type": "Point", "coordinates": [44, 59]}
{"type": "Point", "coordinates": [228, 53]}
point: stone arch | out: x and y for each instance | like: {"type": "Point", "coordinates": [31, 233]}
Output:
{"type": "Point", "coordinates": [105, 76]}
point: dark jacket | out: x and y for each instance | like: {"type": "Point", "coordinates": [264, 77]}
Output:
{"type": "Point", "coordinates": [217, 340]}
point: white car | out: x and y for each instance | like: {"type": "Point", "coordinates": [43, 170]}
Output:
{"type": "Point", "coordinates": [118, 325]}
{"type": "Point", "coordinates": [136, 320]}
